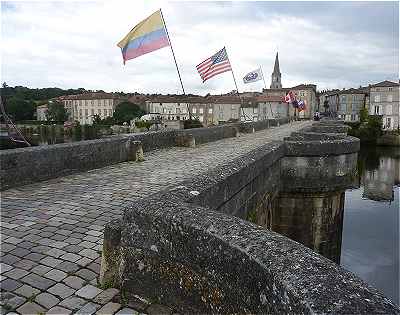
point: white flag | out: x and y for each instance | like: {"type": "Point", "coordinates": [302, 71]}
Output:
{"type": "Point", "coordinates": [253, 76]}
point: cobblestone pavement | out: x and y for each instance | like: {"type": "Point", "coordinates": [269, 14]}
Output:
{"type": "Point", "coordinates": [51, 231]}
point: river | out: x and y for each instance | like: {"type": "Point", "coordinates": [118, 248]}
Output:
{"type": "Point", "coordinates": [370, 238]}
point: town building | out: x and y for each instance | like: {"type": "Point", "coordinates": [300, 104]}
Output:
{"type": "Point", "coordinates": [84, 107]}
{"type": "Point", "coordinates": [271, 107]}
{"type": "Point", "coordinates": [350, 102]}
{"type": "Point", "coordinates": [384, 101]}
{"type": "Point", "coordinates": [330, 97]}
{"type": "Point", "coordinates": [305, 92]}
{"type": "Point", "coordinates": [41, 112]}
{"type": "Point", "coordinates": [209, 110]}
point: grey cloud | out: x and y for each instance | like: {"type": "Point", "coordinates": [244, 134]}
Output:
{"type": "Point", "coordinates": [327, 43]}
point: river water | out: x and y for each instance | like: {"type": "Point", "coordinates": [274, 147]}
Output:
{"type": "Point", "coordinates": [370, 237]}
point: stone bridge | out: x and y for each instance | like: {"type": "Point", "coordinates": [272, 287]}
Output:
{"type": "Point", "coordinates": [175, 234]}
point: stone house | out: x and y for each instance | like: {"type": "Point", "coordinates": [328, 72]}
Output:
{"type": "Point", "coordinates": [210, 110]}
{"type": "Point", "coordinates": [41, 111]}
{"type": "Point", "coordinates": [271, 107]}
{"type": "Point", "coordinates": [83, 107]}
{"type": "Point", "coordinates": [384, 101]}
{"type": "Point", "coordinates": [350, 102]}
{"type": "Point", "coordinates": [305, 92]}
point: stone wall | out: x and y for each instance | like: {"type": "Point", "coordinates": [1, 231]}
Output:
{"type": "Point", "coordinates": [26, 165]}
{"type": "Point", "coordinates": [190, 248]}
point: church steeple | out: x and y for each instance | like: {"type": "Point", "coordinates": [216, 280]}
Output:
{"type": "Point", "coordinates": [276, 75]}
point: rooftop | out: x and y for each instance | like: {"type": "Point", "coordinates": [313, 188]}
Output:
{"type": "Point", "coordinates": [385, 83]}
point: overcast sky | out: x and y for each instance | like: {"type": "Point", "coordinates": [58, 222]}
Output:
{"type": "Point", "coordinates": [73, 44]}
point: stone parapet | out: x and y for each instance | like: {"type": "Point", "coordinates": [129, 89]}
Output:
{"type": "Point", "coordinates": [189, 247]}
{"type": "Point", "coordinates": [27, 165]}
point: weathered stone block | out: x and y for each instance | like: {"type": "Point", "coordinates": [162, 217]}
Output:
{"type": "Point", "coordinates": [110, 260]}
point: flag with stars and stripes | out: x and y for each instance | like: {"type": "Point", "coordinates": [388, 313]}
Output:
{"type": "Point", "coordinates": [216, 64]}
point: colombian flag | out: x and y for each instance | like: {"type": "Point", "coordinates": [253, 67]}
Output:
{"type": "Point", "coordinates": [147, 36]}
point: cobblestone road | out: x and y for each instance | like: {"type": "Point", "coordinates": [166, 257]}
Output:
{"type": "Point", "coordinates": [51, 232]}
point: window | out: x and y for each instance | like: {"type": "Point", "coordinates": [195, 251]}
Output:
{"type": "Point", "coordinates": [342, 107]}
{"type": "Point", "coordinates": [178, 110]}
{"type": "Point", "coordinates": [201, 110]}
{"type": "Point", "coordinates": [389, 109]}
{"type": "Point", "coordinates": [233, 107]}
{"type": "Point", "coordinates": [390, 89]}
{"type": "Point", "coordinates": [105, 112]}
{"type": "Point", "coordinates": [301, 93]}
{"type": "Point", "coordinates": [343, 98]}
{"type": "Point", "coordinates": [210, 110]}
{"type": "Point", "coordinates": [86, 112]}
{"type": "Point", "coordinates": [201, 118]}
{"type": "Point", "coordinates": [194, 110]}
{"type": "Point", "coordinates": [377, 98]}
{"type": "Point", "coordinates": [99, 111]}
{"type": "Point", "coordinates": [80, 113]}
{"type": "Point", "coordinates": [354, 107]}
{"type": "Point", "coordinates": [376, 110]}
{"type": "Point", "coordinates": [388, 122]}
{"type": "Point", "coordinates": [92, 111]}
{"type": "Point", "coordinates": [221, 116]}
{"type": "Point", "coordinates": [390, 98]}
{"type": "Point", "coordinates": [353, 117]}
{"type": "Point", "coordinates": [255, 110]}
{"type": "Point", "coordinates": [110, 113]}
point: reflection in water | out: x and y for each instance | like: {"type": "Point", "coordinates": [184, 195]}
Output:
{"type": "Point", "coordinates": [370, 245]}
{"type": "Point", "coordinates": [366, 218]}
{"type": "Point", "coordinates": [315, 220]}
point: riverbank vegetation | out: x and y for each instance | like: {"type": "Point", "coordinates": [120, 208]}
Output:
{"type": "Point", "coordinates": [368, 129]}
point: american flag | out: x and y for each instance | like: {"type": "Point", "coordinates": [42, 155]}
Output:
{"type": "Point", "coordinates": [214, 65]}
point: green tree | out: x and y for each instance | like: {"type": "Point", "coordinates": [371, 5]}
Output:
{"type": "Point", "coordinates": [363, 115]}
{"type": "Point", "coordinates": [143, 124]}
{"type": "Point", "coordinates": [56, 112]}
{"type": "Point", "coordinates": [108, 121]}
{"type": "Point", "coordinates": [126, 111]}
{"type": "Point", "coordinates": [19, 109]}
{"type": "Point", "coordinates": [97, 120]}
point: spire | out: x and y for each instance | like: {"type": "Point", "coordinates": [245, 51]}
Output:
{"type": "Point", "coordinates": [276, 66]}
{"type": "Point", "coordinates": [276, 75]}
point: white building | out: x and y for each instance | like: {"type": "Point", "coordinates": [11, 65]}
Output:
{"type": "Point", "coordinates": [41, 111]}
{"type": "Point", "coordinates": [84, 107]}
{"type": "Point", "coordinates": [210, 110]}
{"type": "Point", "coordinates": [384, 101]}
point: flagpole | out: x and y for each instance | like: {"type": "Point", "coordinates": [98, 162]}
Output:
{"type": "Point", "coordinates": [176, 65]}
{"type": "Point", "coordinates": [262, 73]}
{"type": "Point", "coordinates": [234, 80]}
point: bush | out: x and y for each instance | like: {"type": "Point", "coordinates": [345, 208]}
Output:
{"type": "Point", "coordinates": [192, 123]}
{"type": "Point", "coordinates": [368, 131]}
{"type": "Point", "coordinates": [143, 124]}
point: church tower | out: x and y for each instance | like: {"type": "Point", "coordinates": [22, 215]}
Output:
{"type": "Point", "coordinates": [276, 75]}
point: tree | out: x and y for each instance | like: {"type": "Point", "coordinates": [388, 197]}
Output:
{"type": "Point", "coordinates": [19, 109]}
{"type": "Point", "coordinates": [56, 112]}
{"type": "Point", "coordinates": [96, 120]}
{"type": "Point", "coordinates": [143, 124]}
{"type": "Point", "coordinates": [363, 114]}
{"type": "Point", "coordinates": [126, 111]}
